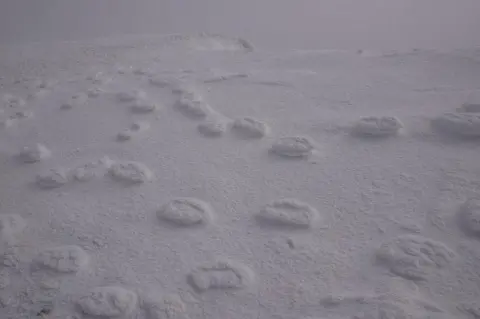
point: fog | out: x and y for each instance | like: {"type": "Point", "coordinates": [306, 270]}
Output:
{"type": "Point", "coordinates": [307, 24]}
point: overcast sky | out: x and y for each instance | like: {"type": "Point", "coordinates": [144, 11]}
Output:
{"type": "Point", "coordinates": [309, 24]}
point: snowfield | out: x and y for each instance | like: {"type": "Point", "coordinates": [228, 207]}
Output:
{"type": "Point", "coordinates": [200, 176]}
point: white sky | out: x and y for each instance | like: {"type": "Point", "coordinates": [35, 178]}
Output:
{"type": "Point", "coordinates": [286, 23]}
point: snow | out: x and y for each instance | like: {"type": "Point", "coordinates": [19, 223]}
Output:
{"type": "Point", "coordinates": [281, 213]}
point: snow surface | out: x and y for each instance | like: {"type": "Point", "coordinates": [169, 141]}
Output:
{"type": "Point", "coordinates": [87, 227]}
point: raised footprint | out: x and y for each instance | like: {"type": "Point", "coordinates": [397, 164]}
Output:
{"type": "Point", "coordinates": [288, 213]}
{"type": "Point", "coordinates": [131, 96]}
{"type": "Point", "coordinates": [142, 71]}
{"type": "Point", "coordinates": [98, 78]}
{"type": "Point", "coordinates": [43, 84]}
{"type": "Point", "coordinates": [15, 118]}
{"type": "Point", "coordinates": [130, 172]}
{"type": "Point", "coordinates": [108, 302]}
{"type": "Point", "coordinates": [134, 130]}
{"type": "Point", "coordinates": [62, 259]}
{"type": "Point", "coordinates": [414, 257]}
{"type": "Point", "coordinates": [248, 127]}
{"type": "Point", "coordinates": [186, 212]}
{"type": "Point", "coordinates": [35, 95]}
{"type": "Point", "coordinates": [33, 154]}
{"type": "Point", "coordinates": [209, 42]}
{"type": "Point", "coordinates": [395, 310]}
{"type": "Point", "coordinates": [469, 108]}
{"type": "Point", "coordinates": [90, 170]}
{"type": "Point", "coordinates": [53, 178]}
{"type": "Point", "coordinates": [159, 82]}
{"type": "Point", "coordinates": [225, 77]}
{"type": "Point", "coordinates": [6, 122]}
{"type": "Point", "coordinates": [401, 300]}
{"type": "Point", "coordinates": [384, 310]}
{"type": "Point", "coordinates": [143, 106]}
{"type": "Point", "coordinates": [87, 172]}
{"type": "Point", "coordinates": [223, 274]}
{"type": "Point", "coordinates": [293, 147]}
{"type": "Point", "coordinates": [94, 92]}
{"type": "Point", "coordinates": [10, 226]}
{"type": "Point", "coordinates": [213, 128]}
{"type": "Point", "coordinates": [4, 278]}
{"type": "Point", "coordinates": [376, 126]}
{"type": "Point", "coordinates": [193, 107]}
{"type": "Point", "coordinates": [187, 90]}
{"type": "Point", "coordinates": [466, 125]}
{"type": "Point", "coordinates": [471, 309]}
{"type": "Point", "coordinates": [75, 100]}
{"type": "Point", "coordinates": [12, 101]}
{"type": "Point", "coordinates": [168, 306]}
{"type": "Point", "coordinates": [469, 216]}
{"type": "Point", "coordinates": [21, 114]}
